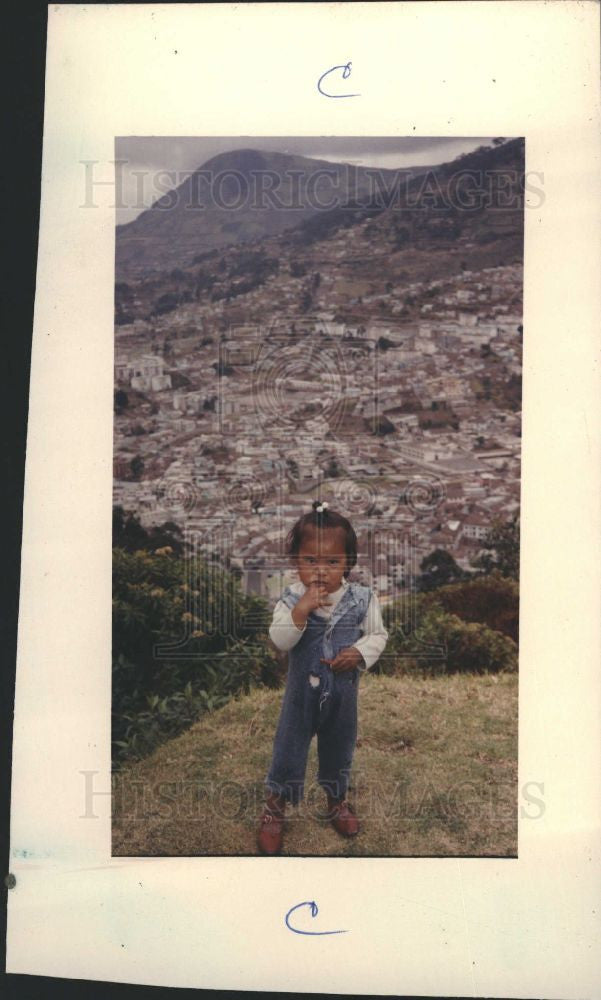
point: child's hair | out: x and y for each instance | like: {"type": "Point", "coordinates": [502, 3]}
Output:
{"type": "Point", "coordinates": [322, 519]}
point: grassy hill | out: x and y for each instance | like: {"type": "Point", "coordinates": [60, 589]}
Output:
{"type": "Point", "coordinates": [434, 774]}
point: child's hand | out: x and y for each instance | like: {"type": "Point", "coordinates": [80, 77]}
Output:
{"type": "Point", "coordinates": [346, 659]}
{"type": "Point", "coordinates": [314, 596]}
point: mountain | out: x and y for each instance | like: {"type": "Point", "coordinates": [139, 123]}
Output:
{"type": "Point", "coordinates": [479, 193]}
{"type": "Point", "coordinates": [236, 197]}
{"type": "Point", "coordinates": [466, 215]}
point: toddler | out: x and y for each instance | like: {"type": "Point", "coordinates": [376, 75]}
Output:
{"type": "Point", "coordinates": [332, 630]}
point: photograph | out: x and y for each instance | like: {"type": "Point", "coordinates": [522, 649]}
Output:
{"type": "Point", "coordinates": [316, 494]}
{"type": "Point", "coordinates": [308, 636]}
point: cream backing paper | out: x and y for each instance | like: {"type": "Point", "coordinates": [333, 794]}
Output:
{"type": "Point", "coordinates": [515, 928]}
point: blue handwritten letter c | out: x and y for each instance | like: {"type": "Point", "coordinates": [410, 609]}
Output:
{"type": "Point", "coordinates": [346, 72]}
{"type": "Point", "coordinates": [314, 912]}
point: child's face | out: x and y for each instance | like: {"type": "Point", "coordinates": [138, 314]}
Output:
{"type": "Point", "coordinates": [322, 558]}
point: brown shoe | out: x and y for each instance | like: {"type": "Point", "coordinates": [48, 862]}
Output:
{"type": "Point", "coordinates": [271, 826]}
{"type": "Point", "coordinates": [342, 817]}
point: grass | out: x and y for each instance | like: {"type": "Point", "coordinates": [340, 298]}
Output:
{"type": "Point", "coordinates": [434, 774]}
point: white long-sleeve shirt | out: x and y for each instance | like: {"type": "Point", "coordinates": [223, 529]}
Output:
{"type": "Point", "coordinates": [284, 633]}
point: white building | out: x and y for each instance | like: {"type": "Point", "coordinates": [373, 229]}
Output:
{"type": "Point", "coordinates": [145, 373]}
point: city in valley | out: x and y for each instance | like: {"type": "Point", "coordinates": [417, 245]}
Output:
{"type": "Point", "coordinates": [371, 358]}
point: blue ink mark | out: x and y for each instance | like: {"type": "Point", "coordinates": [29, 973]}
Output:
{"type": "Point", "coordinates": [346, 72]}
{"type": "Point", "coordinates": [314, 912]}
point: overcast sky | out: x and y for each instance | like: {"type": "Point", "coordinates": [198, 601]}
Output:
{"type": "Point", "coordinates": [182, 154]}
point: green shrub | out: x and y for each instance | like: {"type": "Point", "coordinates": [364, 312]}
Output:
{"type": "Point", "coordinates": [161, 599]}
{"type": "Point", "coordinates": [142, 721]}
{"type": "Point", "coordinates": [502, 543]}
{"type": "Point", "coordinates": [443, 643]}
{"type": "Point", "coordinates": [492, 600]}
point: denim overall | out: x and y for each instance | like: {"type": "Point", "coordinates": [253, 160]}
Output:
{"type": "Point", "coordinates": [319, 700]}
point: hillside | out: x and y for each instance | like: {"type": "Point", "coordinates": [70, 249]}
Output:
{"type": "Point", "coordinates": [236, 197]}
{"type": "Point", "coordinates": [361, 260]}
{"type": "Point", "coordinates": [434, 774]}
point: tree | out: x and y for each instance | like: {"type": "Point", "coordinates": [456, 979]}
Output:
{"type": "Point", "coordinates": [402, 237]}
{"type": "Point", "coordinates": [502, 549]}
{"type": "Point", "coordinates": [306, 301]}
{"type": "Point", "coordinates": [438, 569]}
{"type": "Point", "coordinates": [333, 470]}
{"type": "Point", "coordinates": [166, 303]}
{"type": "Point", "coordinates": [121, 401]}
{"type": "Point", "coordinates": [137, 466]}
{"type": "Point", "coordinates": [130, 535]}
{"type": "Point", "coordinates": [221, 368]}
